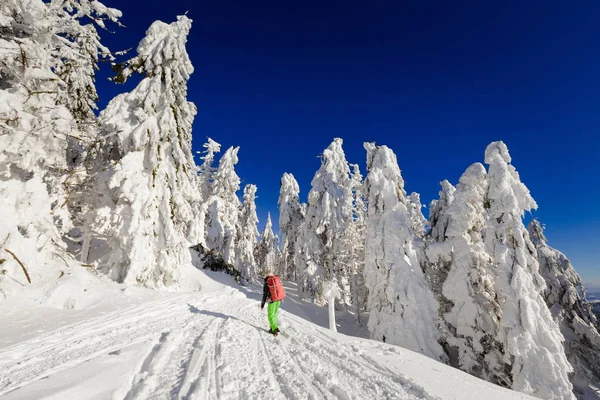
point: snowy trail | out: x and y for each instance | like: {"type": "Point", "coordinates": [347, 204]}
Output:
{"type": "Point", "coordinates": [211, 345]}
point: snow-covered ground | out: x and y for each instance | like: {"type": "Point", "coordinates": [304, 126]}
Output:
{"type": "Point", "coordinates": [141, 344]}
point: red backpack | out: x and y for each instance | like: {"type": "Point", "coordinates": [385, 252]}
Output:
{"type": "Point", "coordinates": [276, 288]}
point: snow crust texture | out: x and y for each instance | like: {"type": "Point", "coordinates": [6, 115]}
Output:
{"type": "Point", "coordinates": [215, 345]}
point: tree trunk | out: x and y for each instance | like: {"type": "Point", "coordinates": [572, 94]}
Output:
{"type": "Point", "coordinates": [355, 291]}
{"type": "Point", "coordinates": [332, 314]}
{"type": "Point", "coordinates": [85, 248]}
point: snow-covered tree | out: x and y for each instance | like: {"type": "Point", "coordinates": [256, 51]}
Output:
{"type": "Point", "coordinates": [470, 310]}
{"type": "Point", "coordinates": [291, 216]}
{"type": "Point", "coordinates": [223, 207]}
{"type": "Point", "coordinates": [39, 89]}
{"type": "Point", "coordinates": [79, 48]}
{"type": "Point", "coordinates": [418, 220]}
{"type": "Point", "coordinates": [204, 179]}
{"type": "Point", "coordinates": [435, 250]}
{"type": "Point", "coordinates": [566, 299]}
{"type": "Point", "coordinates": [527, 334]}
{"type": "Point", "coordinates": [267, 251]}
{"type": "Point", "coordinates": [403, 310]}
{"type": "Point", "coordinates": [82, 52]}
{"type": "Point", "coordinates": [149, 212]}
{"type": "Point", "coordinates": [206, 170]}
{"type": "Point", "coordinates": [438, 217]}
{"type": "Point", "coordinates": [354, 244]}
{"type": "Point", "coordinates": [38, 40]}
{"type": "Point", "coordinates": [247, 235]}
{"type": "Point", "coordinates": [328, 216]}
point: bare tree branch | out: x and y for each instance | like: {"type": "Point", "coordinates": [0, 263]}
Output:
{"type": "Point", "coordinates": [20, 263]}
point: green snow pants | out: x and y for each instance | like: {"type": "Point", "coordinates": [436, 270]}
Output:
{"type": "Point", "coordinates": [273, 307]}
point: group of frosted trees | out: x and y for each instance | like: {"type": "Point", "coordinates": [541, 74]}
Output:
{"type": "Point", "coordinates": [471, 287]}
{"type": "Point", "coordinates": [49, 52]}
{"type": "Point", "coordinates": [121, 191]}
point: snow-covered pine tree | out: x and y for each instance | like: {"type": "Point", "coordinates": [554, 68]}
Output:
{"type": "Point", "coordinates": [566, 299]}
{"type": "Point", "coordinates": [267, 251]}
{"type": "Point", "coordinates": [223, 207]}
{"type": "Point", "coordinates": [152, 189]}
{"type": "Point", "coordinates": [37, 128]}
{"type": "Point", "coordinates": [291, 216]}
{"type": "Point", "coordinates": [434, 251]}
{"type": "Point", "coordinates": [328, 216]}
{"type": "Point", "coordinates": [469, 307]}
{"type": "Point", "coordinates": [84, 152]}
{"type": "Point", "coordinates": [48, 54]}
{"type": "Point", "coordinates": [308, 260]}
{"type": "Point", "coordinates": [418, 220]}
{"type": "Point", "coordinates": [418, 227]}
{"type": "Point", "coordinates": [438, 217]}
{"type": "Point", "coordinates": [204, 180]}
{"type": "Point", "coordinates": [527, 333]}
{"type": "Point", "coordinates": [403, 310]}
{"type": "Point", "coordinates": [84, 50]}
{"type": "Point", "coordinates": [206, 170]}
{"type": "Point", "coordinates": [247, 236]}
{"type": "Point", "coordinates": [354, 241]}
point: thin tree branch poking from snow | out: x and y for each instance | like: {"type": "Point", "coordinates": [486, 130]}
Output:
{"type": "Point", "coordinates": [5, 240]}
{"type": "Point", "coordinates": [16, 258]}
{"type": "Point", "coordinates": [62, 258]}
{"type": "Point", "coordinates": [20, 263]}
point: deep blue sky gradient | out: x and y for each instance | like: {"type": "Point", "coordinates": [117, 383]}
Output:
{"type": "Point", "coordinates": [435, 81]}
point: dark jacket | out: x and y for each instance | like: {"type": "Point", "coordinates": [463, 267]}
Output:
{"type": "Point", "coordinates": [266, 294]}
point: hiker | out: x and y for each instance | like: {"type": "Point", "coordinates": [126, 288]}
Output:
{"type": "Point", "coordinates": [272, 290]}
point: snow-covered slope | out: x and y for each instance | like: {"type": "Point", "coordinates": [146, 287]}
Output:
{"type": "Point", "coordinates": [211, 344]}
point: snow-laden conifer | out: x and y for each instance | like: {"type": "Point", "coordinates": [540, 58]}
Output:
{"type": "Point", "coordinates": [35, 121]}
{"type": "Point", "coordinates": [328, 215]}
{"type": "Point", "coordinates": [566, 298]}
{"type": "Point", "coordinates": [39, 89]}
{"type": "Point", "coordinates": [354, 245]}
{"type": "Point", "coordinates": [528, 336]}
{"type": "Point", "coordinates": [434, 252]}
{"type": "Point", "coordinates": [205, 177]}
{"type": "Point", "coordinates": [290, 219]}
{"type": "Point", "coordinates": [82, 52]}
{"type": "Point", "coordinates": [247, 235]}
{"type": "Point", "coordinates": [438, 216]}
{"type": "Point", "coordinates": [38, 42]}
{"type": "Point", "coordinates": [206, 170]}
{"type": "Point", "coordinates": [150, 213]}
{"type": "Point", "coordinates": [473, 313]}
{"type": "Point", "coordinates": [418, 221]}
{"type": "Point", "coordinates": [267, 251]}
{"type": "Point", "coordinates": [223, 207]}
{"type": "Point", "coordinates": [403, 310]}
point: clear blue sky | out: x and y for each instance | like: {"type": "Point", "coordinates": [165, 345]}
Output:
{"type": "Point", "coordinates": [435, 81]}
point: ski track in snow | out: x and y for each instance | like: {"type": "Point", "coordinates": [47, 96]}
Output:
{"type": "Point", "coordinates": [200, 346]}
